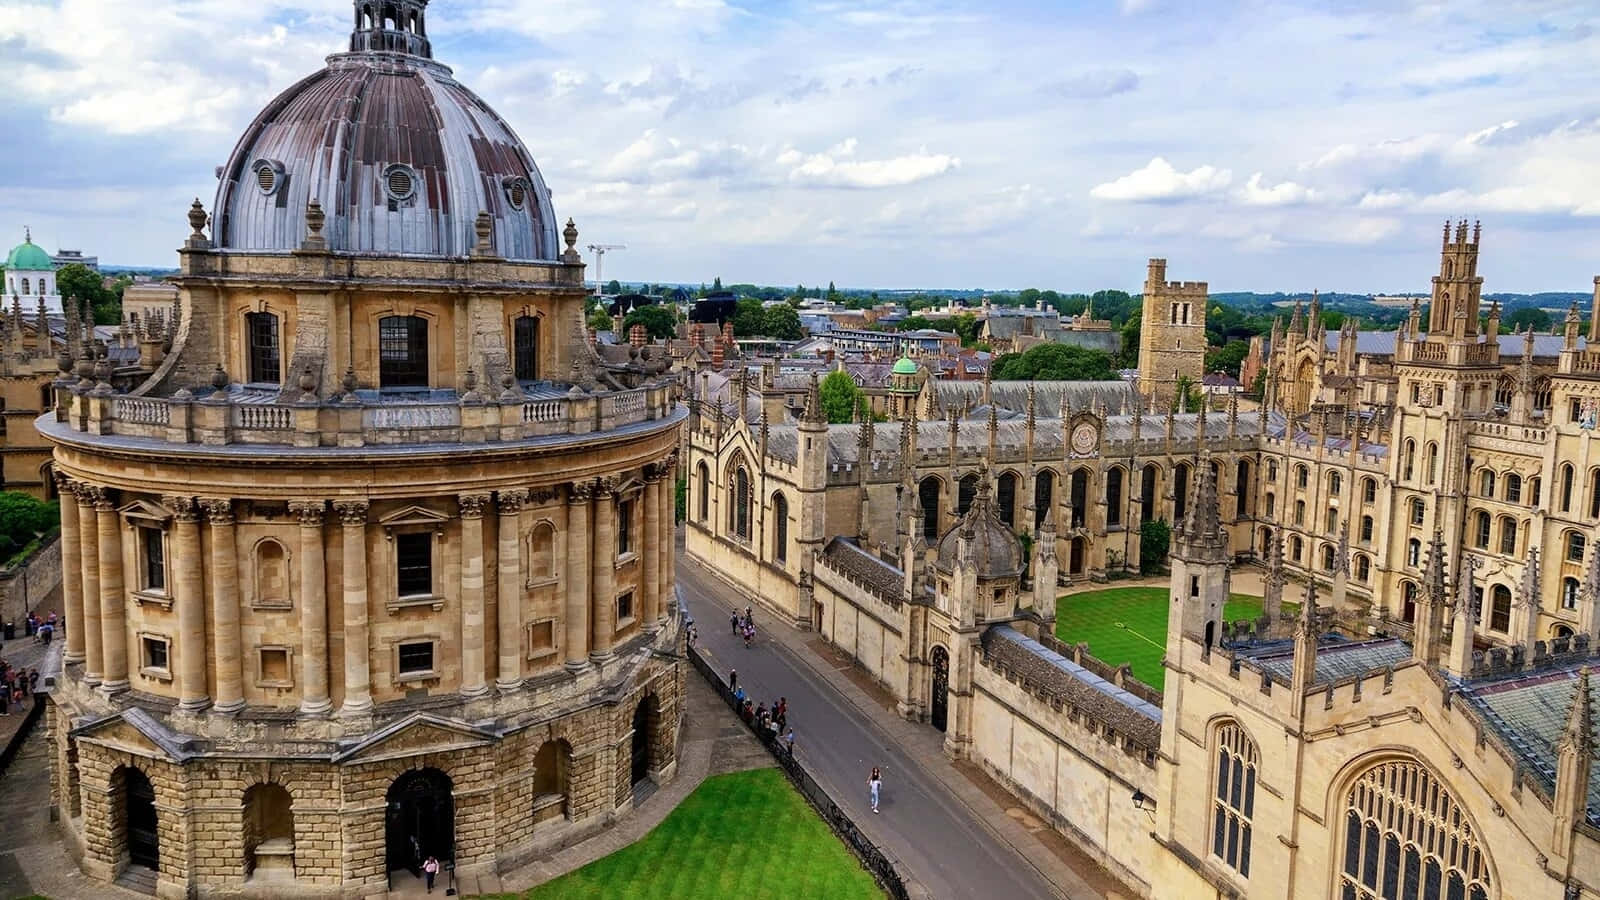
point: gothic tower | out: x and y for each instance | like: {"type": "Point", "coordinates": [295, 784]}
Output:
{"type": "Point", "coordinates": [1457, 287]}
{"type": "Point", "coordinates": [1172, 332]}
{"type": "Point", "coordinates": [1199, 567]}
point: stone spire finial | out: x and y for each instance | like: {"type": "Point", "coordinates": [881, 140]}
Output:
{"type": "Point", "coordinates": [813, 410]}
{"type": "Point", "coordinates": [1200, 426]}
{"type": "Point", "coordinates": [1433, 574]}
{"type": "Point", "coordinates": [1306, 622]}
{"type": "Point", "coordinates": [1033, 399]}
{"type": "Point", "coordinates": [1202, 521]}
{"type": "Point", "coordinates": [1578, 736]}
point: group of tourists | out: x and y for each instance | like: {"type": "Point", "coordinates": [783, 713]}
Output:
{"type": "Point", "coordinates": [17, 684]}
{"type": "Point", "coordinates": [41, 628]}
{"type": "Point", "coordinates": [771, 722]}
{"type": "Point", "coordinates": [744, 625]}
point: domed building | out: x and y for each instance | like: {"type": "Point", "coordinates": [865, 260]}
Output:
{"type": "Point", "coordinates": [31, 276]}
{"type": "Point", "coordinates": [367, 556]}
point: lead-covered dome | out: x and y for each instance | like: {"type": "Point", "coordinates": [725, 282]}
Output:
{"type": "Point", "coordinates": [400, 156]}
{"type": "Point", "coordinates": [992, 548]}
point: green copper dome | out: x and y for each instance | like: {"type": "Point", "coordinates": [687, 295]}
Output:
{"type": "Point", "coordinates": [29, 257]}
{"type": "Point", "coordinates": [905, 366]}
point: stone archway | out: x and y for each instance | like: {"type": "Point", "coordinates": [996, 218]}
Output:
{"type": "Point", "coordinates": [939, 697]}
{"type": "Point", "coordinates": [420, 820]}
{"type": "Point", "coordinates": [646, 724]}
{"type": "Point", "coordinates": [138, 819]}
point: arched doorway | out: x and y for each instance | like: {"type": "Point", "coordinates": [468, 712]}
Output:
{"type": "Point", "coordinates": [139, 815]}
{"type": "Point", "coordinates": [1076, 557]}
{"type": "Point", "coordinates": [939, 701]}
{"type": "Point", "coordinates": [421, 820]}
{"type": "Point", "coordinates": [641, 741]}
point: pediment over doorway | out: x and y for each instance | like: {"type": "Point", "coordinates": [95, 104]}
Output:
{"type": "Point", "coordinates": [414, 736]}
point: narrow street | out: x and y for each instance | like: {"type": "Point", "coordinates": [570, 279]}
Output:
{"type": "Point", "coordinates": [937, 840]}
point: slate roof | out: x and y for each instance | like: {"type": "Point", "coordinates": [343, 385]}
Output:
{"type": "Point", "coordinates": [1381, 343]}
{"type": "Point", "coordinates": [1336, 657]}
{"type": "Point", "coordinates": [1064, 680]}
{"type": "Point", "coordinates": [1529, 712]}
{"type": "Point", "coordinates": [1116, 395]}
{"type": "Point", "coordinates": [865, 568]}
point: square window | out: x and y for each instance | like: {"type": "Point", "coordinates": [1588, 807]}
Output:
{"type": "Point", "coordinates": [416, 658]}
{"type": "Point", "coordinates": [414, 563]}
{"type": "Point", "coordinates": [155, 653]}
{"type": "Point", "coordinates": [275, 666]}
{"type": "Point", "coordinates": [625, 607]}
{"type": "Point", "coordinates": [541, 638]}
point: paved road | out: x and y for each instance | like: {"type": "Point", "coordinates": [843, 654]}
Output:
{"type": "Point", "coordinates": [935, 838]}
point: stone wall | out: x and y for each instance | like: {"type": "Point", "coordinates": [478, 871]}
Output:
{"type": "Point", "coordinates": [34, 584]}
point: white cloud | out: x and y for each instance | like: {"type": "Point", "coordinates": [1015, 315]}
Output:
{"type": "Point", "coordinates": [1286, 193]}
{"type": "Point", "coordinates": [825, 170]}
{"type": "Point", "coordinates": [1098, 83]}
{"type": "Point", "coordinates": [1385, 199]}
{"type": "Point", "coordinates": [1158, 180]}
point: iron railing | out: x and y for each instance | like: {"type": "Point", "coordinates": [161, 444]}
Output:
{"type": "Point", "coordinates": [882, 868]}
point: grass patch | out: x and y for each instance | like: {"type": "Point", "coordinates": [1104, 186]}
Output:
{"type": "Point", "coordinates": [739, 836]}
{"type": "Point", "coordinates": [1129, 625]}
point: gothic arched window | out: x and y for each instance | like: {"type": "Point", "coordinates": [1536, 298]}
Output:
{"type": "Point", "coordinates": [780, 528]}
{"type": "Point", "coordinates": [704, 490]}
{"type": "Point", "coordinates": [1508, 535]}
{"type": "Point", "coordinates": [739, 516]}
{"type": "Point", "coordinates": [1569, 593]}
{"type": "Point", "coordinates": [1487, 483]}
{"type": "Point", "coordinates": [1500, 608]}
{"type": "Point", "coordinates": [1242, 489]}
{"type": "Point", "coordinates": [1410, 459]}
{"type": "Point", "coordinates": [1405, 836]}
{"type": "Point", "coordinates": [928, 494]}
{"type": "Point", "coordinates": [1433, 462]}
{"type": "Point", "coordinates": [1369, 490]}
{"type": "Point", "coordinates": [1234, 800]}
{"type": "Point", "coordinates": [1413, 552]}
{"type": "Point", "coordinates": [1480, 530]}
{"type": "Point", "coordinates": [1114, 496]}
{"type": "Point", "coordinates": [1408, 602]}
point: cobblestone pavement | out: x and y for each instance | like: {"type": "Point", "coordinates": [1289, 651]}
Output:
{"type": "Point", "coordinates": [951, 830]}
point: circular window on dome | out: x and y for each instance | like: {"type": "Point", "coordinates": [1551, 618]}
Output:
{"type": "Point", "coordinates": [269, 175]}
{"type": "Point", "coordinates": [400, 181]}
{"type": "Point", "coordinates": [517, 192]}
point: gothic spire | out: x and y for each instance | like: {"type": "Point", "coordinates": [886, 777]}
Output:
{"type": "Point", "coordinates": [1433, 575]}
{"type": "Point", "coordinates": [1579, 734]}
{"type": "Point", "coordinates": [813, 409]}
{"type": "Point", "coordinates": [1202, 522]}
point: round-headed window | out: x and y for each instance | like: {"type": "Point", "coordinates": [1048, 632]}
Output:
{"type": "Point", "coordinates": [401, 182]}
{"type": "Point", "coordinates": [519, 195]}
{"type": "Point", "coordinates": [269, 175]}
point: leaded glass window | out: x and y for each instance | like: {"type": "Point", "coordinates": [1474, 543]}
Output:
{"type": "Point", "coordinates": [1406, 838]}
{"type": "Point", "coordinates": [1233, 803]}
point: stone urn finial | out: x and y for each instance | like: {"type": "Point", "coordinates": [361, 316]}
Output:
{"type": "Point", "coordinates": [308, 383]}
{"type": "Point", "coordinates": [349, 383]}
{"type": "Point", "coordinates": [197, 219]}
{"type": "Point", "coordinates": [570, 235]}
{"type": "Point", "coordinates": [315, 219]}
{"type": "Point", "coordinates": [64, 363]}
{"type": "Point", "coordinates": [219, 380]}
{"type": "Point", "coordinates": [470, 380]}
{"type": "Point", "coordinates": [484, 227]}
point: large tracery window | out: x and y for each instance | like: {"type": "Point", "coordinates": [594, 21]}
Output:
{"type": "Point", "coordinates": [1406, 838]}
{"type": "Point", "coordinates": [1235, 799]}
{"type": "Point", "coordinates": [739, 515]}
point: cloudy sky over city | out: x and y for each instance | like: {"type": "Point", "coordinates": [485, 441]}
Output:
{"type": "Point", "coordinates": [999, 144]}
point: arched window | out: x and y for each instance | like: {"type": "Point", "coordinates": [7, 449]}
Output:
{"type": "Point", "coordinates": [402, 351]}
{"type": "Point", "coordinates": [1044, 496]}
{"type": "Point", "coordinates": [1569, 593]}
{"type": "Point", "coordinates": [1433, 462]}
{"type": "Point", "coordinates": [1302, 476]}
{"type": "Point", "coordinates": [25, 286]}
{"type": "Point", "coordinates": [1533, 490]}
{"type": "Point", "coordinates": [1566, 488]}
{"type": "Point", "coordinates": [1078, 492]}
{"type": "Point", "coordinates": [272, 574]}
{"type": "Point", "coordinates": [1513, 488]}
{"type": "Point", "coordinates": [1413, 553]}
{"type": "Point", "coordinates": [1005, 497]}
{"type": "Point", "coordinates": [966, 489]}
{"type": "Point", "coordinates": [928, 493]}
{"type": "Point", "coordinates": [1335, 483]}
{"type": "Point", "coordinates": [1575, 546]}
{"type": "Point", "coordinates": [552, 767]}
{"type": "Point", "coordinates": [1504, 390]}
{"type": "Point", "coordinates": [1114, 496]}
{"type": "Point", "coordinates": [1541, 395]}
{"type": "Point", "coordinates": [1234, 799]}
{"type": "Point", "coordinates": [1363, 568]}
{"type": "Point", "coordinates": [1272, 504]}
{"type": "Point", "coordinates": [1180, 491]}
{"type": "Point", "coordinates": [1410, 458]}
{"type": "Point", "coordinates": [542, 552]}
{"type": "Point", "coordinates": [780, 528]}
{"type": "Point", "coordinates": [1369, 490]}
{"type": "Point", "coordinates": [1486, 483]}
{"type": "Point", "coordinates": [261, 329]}
{"type": "Point", "coordinates": [1407, 837]}
{"type": "Point", "coordinates": [1331, 520]}
{"type": "Point", "coordinates": [1419, 511]}
{"type": "Point", "coordinates": [1508, 535]}
{"type": "Point", "coordinates": [1328, 555]}
{"type": "Point", "coordinates": [1147, 492]}
{"type": "Point", "coordinates": [525, 347]}
{"type": "Point", "coordinates": [1408, 602]}
{"type": "Point", "coordinates": [1500, 608]}
{"type": "Point", "coordinates": [1594, 493]}
{"type": "Point", "coordinates": [1299, 512]}
{"type": "Point", "coordinates": [1480, 530]}
{"type": "Point", "coordinates": [704, 490]}
{"type": "Point", "coordinates": [1296, 548]}
{"type": "Point", "coordinates": [1243, 489]}
{"type": "Point", "coordinates": [739, 515]}
{"type": "Point", "coordinates": [1272, 470]}
{"type": "Point", "coordinates": [1366, 530]}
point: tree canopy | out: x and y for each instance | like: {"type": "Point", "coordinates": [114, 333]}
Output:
{"type": "Point", "coordinates": [782, 322]}
{"type": "Point", "coordinates": [22, 517]}
{"type": "Point", "coordinates": [1227, 358]}
{"type": "Point", "coordinates": [839, 396]}
{"type": "Point", "coordinates": [76, 282]}
{"type": "Point", "coordinates": [1520, 319]}
{"type": "Point", "coordinates": [600, 320]}
{"type": "Point", "coordinates": [1055, 362]}
{"type": "Point", "coordinates": [658, 321]}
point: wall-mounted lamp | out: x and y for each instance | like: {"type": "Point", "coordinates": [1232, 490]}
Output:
{"type": "Point", "coordinates": [1139, 800]}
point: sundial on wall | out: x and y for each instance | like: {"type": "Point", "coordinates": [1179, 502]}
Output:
{"type": "Point", "coordinates": [1084, 438]}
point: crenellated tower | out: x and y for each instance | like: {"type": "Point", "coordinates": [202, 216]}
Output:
{"type": "Point", "coordinates": [1172, 332]}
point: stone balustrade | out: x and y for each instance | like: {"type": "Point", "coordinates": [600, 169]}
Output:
{"type": "Point", "coordinates": [233, 419]}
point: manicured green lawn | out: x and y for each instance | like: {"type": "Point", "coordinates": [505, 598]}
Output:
{"type": "Point", "coordinates": [738, 836]}
{"type": "Point", "coordinates": [1129, 625]}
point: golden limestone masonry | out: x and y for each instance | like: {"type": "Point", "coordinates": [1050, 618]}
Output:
{"type": "Point", "coordinates": [368, 555]}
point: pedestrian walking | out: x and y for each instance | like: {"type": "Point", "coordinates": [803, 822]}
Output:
{"type": "Point", "coordinates": [733, 622]}
{"type": "Point", "coordinates": [875, 785]}
{"type": "Point", "coordinates": [788, 741]}
{"type": "Point", "coordinates": [733, 679]}
{"type": "Point", "coordinates": [429, 870]}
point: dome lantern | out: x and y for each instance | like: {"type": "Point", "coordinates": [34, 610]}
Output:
{"type": "Point", "coordinates": [391, 26]}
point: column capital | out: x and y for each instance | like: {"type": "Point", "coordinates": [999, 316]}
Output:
{"type": "Point", "coordinates": [219, 510]}
{"type": "Point", "coordinates": [64, 482]}
{"type": "Point", "coordinates": [655, 471]}
{"type": "Point", "coordinates": [511, 501]}
{"type": "Point", "coordinates": [184, 509]}
{"type": "Point", "coordinates": [605, 487]}
{"type": "Point", "coordinates": [472, 505]}
{"type": "Point", "coordinates": [309, 513]}
{"type": "Point", "coordinates": [579, 492]}
{"type": "Point", "coordinates": [539, 496]}
{"type": "Point", "coordinates": [101, 498]}
{"type": "Point", "coordinates": [351, 512]}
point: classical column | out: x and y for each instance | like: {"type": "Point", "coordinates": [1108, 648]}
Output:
{"type": "Point", "coordinates": [508, 563]}
{"type": "Point", "coordinates": [669, 524]}
{"type": "Point", "coordinates": [603, 623]}
{"type": "Point", "coordinates": [472, 617]}
{"type": "Point", "coordinates": [576, 578]}
{"type": "Point", "coordinates": [71, 569]}
{"type": "Point", "coordinates": [89, 557]}
{"type": "Point", "coordinates": [190, 599]}
{"type": "Point", "coordinates": [113, 628]}
{"type": "Point", "coordinates": [651, 561]}
{"type": "Point", "coordinates": [225, 604]}
{"type": "Point", "coordinates": [357, 677]}
{"type": "Point", "coordinates": [313, 609]}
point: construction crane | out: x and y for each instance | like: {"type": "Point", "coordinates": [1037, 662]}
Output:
{"type": "Point", "coordinates": [599, 251]}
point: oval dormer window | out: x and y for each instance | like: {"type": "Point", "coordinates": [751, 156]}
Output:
{"type": "Point", "coordinates": [401, 182]}
{"type": "Point", "coordinates": [269, 175]}
{"type": "Point", "coordinates": [517, 192]}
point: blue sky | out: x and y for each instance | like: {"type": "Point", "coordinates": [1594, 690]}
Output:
{"type": "Point", "coordinates": [1003, 144]}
